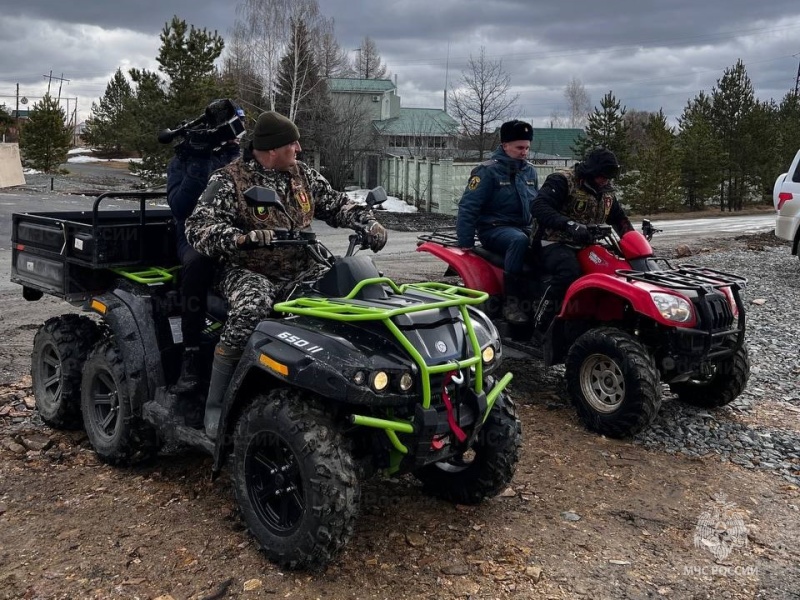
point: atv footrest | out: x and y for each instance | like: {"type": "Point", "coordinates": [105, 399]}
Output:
{"type": "Point", "coordinates": [171, 424]}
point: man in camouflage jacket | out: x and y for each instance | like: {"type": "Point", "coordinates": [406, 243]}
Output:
{"type": "Point", "coordinates": [567, 202]}
{"type": "Point", "coordinates": [255, 275]}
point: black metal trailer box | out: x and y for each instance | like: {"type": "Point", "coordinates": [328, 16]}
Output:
{"type": "Point", "coordinates": [72, 254]}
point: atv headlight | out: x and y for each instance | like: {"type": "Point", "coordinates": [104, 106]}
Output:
{"type": "Point", "coordinates": [673, 308]}
{"type": "Point", "coordinates": [406, 381]}
{"type": "Point", "coordinates": [380, 379]}
{"type": "Point", "coordinates": [488, 354]}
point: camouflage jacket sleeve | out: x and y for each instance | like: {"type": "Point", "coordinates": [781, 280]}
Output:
{"type": "Point", "coordinates": [213, 226]}
{"type": "Point", "coordinates": [333, 207]}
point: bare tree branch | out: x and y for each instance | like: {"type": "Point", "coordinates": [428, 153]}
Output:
{"type": "Point", "coordinates": [480, 101]}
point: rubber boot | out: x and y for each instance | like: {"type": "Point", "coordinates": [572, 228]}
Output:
{"type": "Point", "coordinates": [512, 312]}
{"type": "Point", "coordinates": [189, 378]}
{"type": "Point", "coordinates": [225, 361]}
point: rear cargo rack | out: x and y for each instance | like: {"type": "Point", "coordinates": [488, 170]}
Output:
{"type": "Point", "coordinates": [444, 236]}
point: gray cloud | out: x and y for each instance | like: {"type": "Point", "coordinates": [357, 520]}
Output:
{"type": "Point", "coordinates": [650, 54]}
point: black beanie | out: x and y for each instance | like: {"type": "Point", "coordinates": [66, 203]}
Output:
{"type": "Point", "coordinates": [273, 130]}
{"type": "Point", "coordinates": [511, 131]}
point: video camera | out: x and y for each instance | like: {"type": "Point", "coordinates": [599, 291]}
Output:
{"type": "Point", "coordinates": [221, 121]}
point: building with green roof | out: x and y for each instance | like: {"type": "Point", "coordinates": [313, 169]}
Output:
{"type": "Point", "coordinates": [415, 131]}
{"type": "Point", "coordinates": [554, 143]}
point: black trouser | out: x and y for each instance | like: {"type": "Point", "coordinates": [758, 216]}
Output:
{"type": "Point", "coordinates": [196, 279]}
{"type": "Point", "coordinates": [561, 262]}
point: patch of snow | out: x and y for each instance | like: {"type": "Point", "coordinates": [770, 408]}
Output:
{"type": "Point", "coordinates": [92, 159]}
{"type": "Point", "coordinates": [392, 204]}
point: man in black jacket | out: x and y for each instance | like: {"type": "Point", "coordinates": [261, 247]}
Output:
{"type": "Point", "coordinates": [567, 202]}
{"type": "Point", "coordinates": [187, 176]}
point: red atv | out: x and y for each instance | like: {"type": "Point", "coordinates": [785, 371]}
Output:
{"type": "Point", "coordinates": [628, 323]}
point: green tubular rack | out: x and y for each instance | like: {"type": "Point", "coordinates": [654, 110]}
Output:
{"type": "Point", "coordinates": [147, 275]}
{"type": "Point", "coordinates": [339, 309]}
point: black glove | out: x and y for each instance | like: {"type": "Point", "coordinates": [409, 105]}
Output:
{"type": "Point", "coordinates": [376, 235]}
{"type": "Point", "coordinates": [578, 232]}
{"type": "Point", "coordinates": [258, 238]}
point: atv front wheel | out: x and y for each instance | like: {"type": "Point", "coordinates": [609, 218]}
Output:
{"type": "Point", "coordinates": [60, 348]}
{"type": "Point", "coordinates": [484, 470]}
{"type": "Point", "coordinates": [613, 382]}
{"type": "Point", "coordinates": [116, 434]}
{"type": "Point", "coordinates": [295, 480]}
{"type": "Point", "coordinates": [727, 379]}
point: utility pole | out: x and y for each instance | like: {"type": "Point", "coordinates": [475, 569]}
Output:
{"type": "Point", "coordinates": [797, 82]}
{"type": "Point", "coordinates": [50, 80]}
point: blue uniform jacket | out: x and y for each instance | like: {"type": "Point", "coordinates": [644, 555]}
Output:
{"type": "Point", "coordinates": [499, 192]}
{"type": "Point", "coordinates": [187, 177]}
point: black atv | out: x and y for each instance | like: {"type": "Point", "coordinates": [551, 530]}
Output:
{"type": "Point", "coordinates": [355, 375]}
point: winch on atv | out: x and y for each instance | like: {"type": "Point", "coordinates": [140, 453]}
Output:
{"type": "Point", "coordinates": [629, 323]}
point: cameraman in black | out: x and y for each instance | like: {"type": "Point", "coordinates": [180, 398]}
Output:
{"type": "Point", "coordinates": [210, 142]}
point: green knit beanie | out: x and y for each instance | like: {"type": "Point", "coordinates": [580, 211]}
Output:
{"type": "Point", "coordinates": [273, 130]}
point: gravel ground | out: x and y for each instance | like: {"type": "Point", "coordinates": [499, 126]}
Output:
{"type": "Point", "coordinates": [772, 396]}
{"type": "Point", "coordinates": [761, 428]}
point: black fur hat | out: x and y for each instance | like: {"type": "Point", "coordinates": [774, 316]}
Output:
{"type": "Point", "coordinates": [511, 131]}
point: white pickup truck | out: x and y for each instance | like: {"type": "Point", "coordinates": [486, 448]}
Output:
{"type": "Point", "coordinates": [786, 197]}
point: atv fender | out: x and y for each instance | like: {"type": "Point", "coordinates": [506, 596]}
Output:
{"type": "Point", "coordinates": [473, 270]}
{"type": "Point", "coordinates": [603, 297]}
{"type": "Point", "coordinates": [130, 320]}
{"type": "Point", "coordinates": [282, 352]}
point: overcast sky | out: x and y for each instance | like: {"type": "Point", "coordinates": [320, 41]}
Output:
{"type": "Point", "coordinates": [652, 55]}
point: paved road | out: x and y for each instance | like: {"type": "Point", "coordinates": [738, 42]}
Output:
{"type": "Point", "coordinates": [397, 260]}
{"type": "Point", "coordinates": [723, 226]}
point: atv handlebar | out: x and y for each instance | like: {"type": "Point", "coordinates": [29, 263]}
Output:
{"type": "Point", "coordinates": [599, 232]}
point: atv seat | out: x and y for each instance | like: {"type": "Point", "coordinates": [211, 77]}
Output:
{"type": "Point", "coordinates": [531, 268]}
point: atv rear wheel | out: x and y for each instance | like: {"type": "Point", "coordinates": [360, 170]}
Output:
{"type": "Point", "coordinates": [295, 479]}
{"type": "Point", "coordinates": [116, 434]}
{"type": "Point", "coordinates": [486, 468]}
{"type": "Point", "coordinates": [723, 385]}
{"type": "Point", "coordinates": [60, 348]}
{"type": "Point", "coordinates": [613, 382]}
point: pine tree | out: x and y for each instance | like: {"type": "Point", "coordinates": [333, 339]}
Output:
{"type": "Point", "coordinates": [186, 57]}
{"type": "Point", "coordinates": [606, 127]}
{"type": "Point", "coordinates": [788, 117]}
{"type": "Point", "coordinates": [45, 138]}
{"type": "Point", "coordinates": [6, 120]}
{"type": "Point", "coordinates": [699, 153]}
{"type": "Point", "coordinates": [732, 101]}
{"type": "Point", "coordinates": [657, 187]}
{"type": "Point", "coordinates": [110, 126]}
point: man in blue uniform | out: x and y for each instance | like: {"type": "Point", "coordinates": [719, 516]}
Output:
{"type": "Point", "coordinates": [497, 205]}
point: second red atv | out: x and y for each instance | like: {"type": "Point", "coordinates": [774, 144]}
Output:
{"type": "Point", "coordinates": [629, 323]}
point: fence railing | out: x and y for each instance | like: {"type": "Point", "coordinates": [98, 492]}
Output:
{"type": "Point", "coordinates": [433, 185]}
